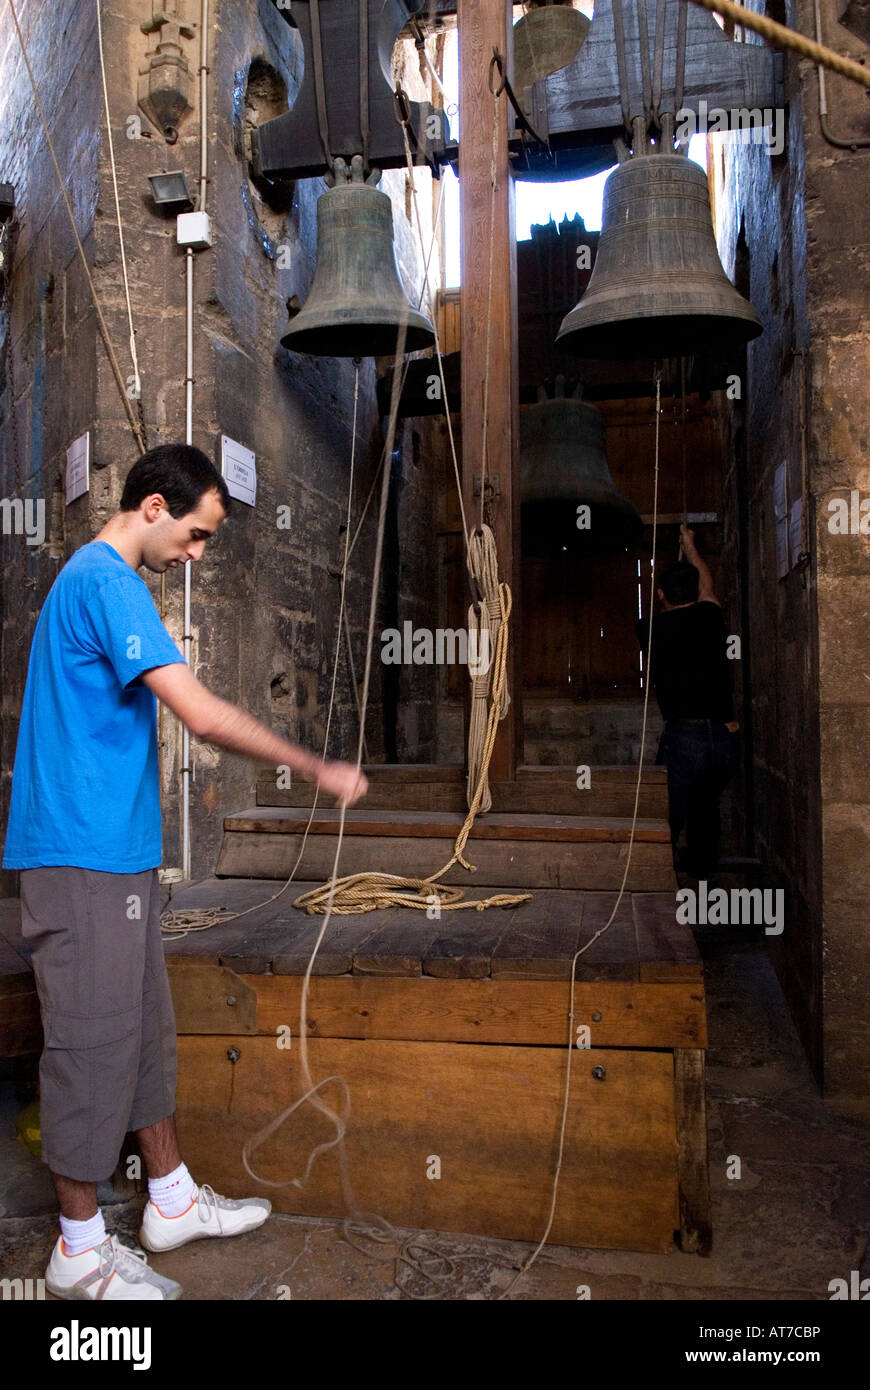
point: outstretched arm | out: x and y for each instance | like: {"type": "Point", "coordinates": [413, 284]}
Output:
{"type": "Point", "coordinates": [705, 588]}
{"type": "Point", "coordinates": [217, 721]}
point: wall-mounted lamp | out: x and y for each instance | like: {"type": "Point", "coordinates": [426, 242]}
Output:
{"type": "Point", "coordinates": [170, 191]}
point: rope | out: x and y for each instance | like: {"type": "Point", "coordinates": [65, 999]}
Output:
{"type": "Point", "coordinates": [407, 363]}
{"type": "Point", "coordinates": [110, 350]}
{"type": "Point", "coordinates": [783, 37]}
{"type": "Point", "coordinates": [493, 176]}
{"type": "Point", "coordinates": [373, 1226]}
{"type": "Point", "coordinates": [482, 563]}
{"type": "Point", "coordinates": [368, 891]}
{"type": "Point", "coordinates": [413, 1253]}
{"type": "Point", "coordinates": [527, 34]}
{"type": "Point", "coordinates": [176, 922]}
{"type": "Point", "coordinates": [484, 622]}
{"type": "Point", "coordinates": [376, 1229]}
{"type": "Point", "coordinates": [133, 353]}
{"type": "Point", "coordinates": [450, 107]}
{"type": "Point", "coordinates": [526, 1266]}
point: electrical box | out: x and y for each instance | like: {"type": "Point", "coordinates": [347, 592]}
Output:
{"type": "Point", "coordinates": [194, 229]}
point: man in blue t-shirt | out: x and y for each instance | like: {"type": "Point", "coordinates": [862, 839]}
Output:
{"type": "Point", "coordinates": [84, 830]}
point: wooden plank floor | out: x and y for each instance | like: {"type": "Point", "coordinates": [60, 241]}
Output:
{"type": "Point", "coordinates": [536, 940]}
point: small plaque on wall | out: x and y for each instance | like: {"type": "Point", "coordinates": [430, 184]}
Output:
{"type": "Point", "coordinates": [239, 468]}
{"type": "Point", "coordinates": [78, 462]}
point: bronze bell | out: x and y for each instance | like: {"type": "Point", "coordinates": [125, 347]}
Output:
{"type": "Point", "coordinates": [563, 468]}
{"type": "Point", "coordinates": [657, 288]}
{"type": "Point", "coordinates": [548, 37]}
{"type": "Point", "coordinates": [356, 300]}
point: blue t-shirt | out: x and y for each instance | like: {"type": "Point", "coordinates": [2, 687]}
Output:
{"type": "Point", "coordinates": [85, 785]}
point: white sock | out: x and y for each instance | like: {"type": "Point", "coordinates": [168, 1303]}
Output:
{"type": "Point", "coordinates": [173, 1194]}
{"type": "Point", "coordinates": [79, 1236]}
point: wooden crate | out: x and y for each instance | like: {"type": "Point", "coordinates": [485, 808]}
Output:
{"type": "Point", "coordinates": [452, 1037]}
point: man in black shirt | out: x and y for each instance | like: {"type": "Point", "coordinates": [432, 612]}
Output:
{"type": "Point", "coordinates": [692, 680]}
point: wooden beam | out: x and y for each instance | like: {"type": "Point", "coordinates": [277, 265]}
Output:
{"type": "Point", "coordinates": [484, 24]}
{"type": "Point", "coordinates": [510, 1009]}
{"type": "Point", "coordinates": [720, 75]}
{"type": "Point", "coordinates": [690, 1098]}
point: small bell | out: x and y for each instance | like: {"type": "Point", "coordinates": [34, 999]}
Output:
{"type": "Point", "coordinates": [356, 301]}
{"type": "Point", "coordinates": [547, 37]}
{"type": "Point", "coordinates": [657, 287]}
{"type": "Point", "coordinates": [567, 497]}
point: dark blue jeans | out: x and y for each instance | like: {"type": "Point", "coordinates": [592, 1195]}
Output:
{"type": "Point", "coordinates": [701, 758]}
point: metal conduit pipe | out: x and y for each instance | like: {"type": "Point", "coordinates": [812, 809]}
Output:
{"type": "Point", "coordinates": [858, 142]}
{"type": "Point", "coordinates": [188, 417]}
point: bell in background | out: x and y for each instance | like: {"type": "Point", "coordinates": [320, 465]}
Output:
{"type": "Point", "coordinates": [563, 466]}
{"type": "Point", "coordinates": [657, 288]}
{"type": "Point", "coordinates": [356, 301]}
{"type": "Point", "coordinates": [548, 37]}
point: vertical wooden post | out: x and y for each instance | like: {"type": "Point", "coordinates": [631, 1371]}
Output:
{"type": "Point", "coordinates": [483, 24]}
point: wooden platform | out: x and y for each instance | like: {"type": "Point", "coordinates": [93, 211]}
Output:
{"type": "Point", "coordinates": [452, 1037]}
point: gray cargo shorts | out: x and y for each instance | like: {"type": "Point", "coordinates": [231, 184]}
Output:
{"type": "Point", "coordinates": [109, 1061]}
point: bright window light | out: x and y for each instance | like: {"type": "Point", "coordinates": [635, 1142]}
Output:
{"type": "Point", "coordinates": [536, 203]}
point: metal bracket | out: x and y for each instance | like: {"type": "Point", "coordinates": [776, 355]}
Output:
{"type": "Point", "coordinates": [493, 484]}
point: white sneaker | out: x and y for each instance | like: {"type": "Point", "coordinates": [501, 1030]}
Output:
{"type": "Point", "coordinates": [108, 1271]}
{"type": "Point", "coordinates": [209, 1214]}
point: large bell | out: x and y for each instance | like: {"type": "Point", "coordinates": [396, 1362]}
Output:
{"type": "Point", "coordinates": [547, 38]}
{"type": "Point", "coordinates": [657, 288]}
{"type": "Point", "coordinates": [563, 469]}
{"type": "Point", "coordinates": [356, 300]}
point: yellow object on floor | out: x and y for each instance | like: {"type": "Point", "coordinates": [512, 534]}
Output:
{"type": "Point", "coordinates": [27, 1127]}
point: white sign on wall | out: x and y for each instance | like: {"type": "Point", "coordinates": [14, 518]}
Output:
{"type": "Point", "coordinates": [78, 461]}
{"type": "Point", "coordinates": [239, 468]}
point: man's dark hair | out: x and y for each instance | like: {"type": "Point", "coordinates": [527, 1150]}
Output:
{"type": "Point", "coordinates": [680, 583]}
{"type": "Point", "coordinates": [180, 473]}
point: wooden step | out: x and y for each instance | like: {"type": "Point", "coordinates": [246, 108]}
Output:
{"type": "Point", "coordinates": [543, 790]}
{"type": "Point", "coordinates": [518, 851]}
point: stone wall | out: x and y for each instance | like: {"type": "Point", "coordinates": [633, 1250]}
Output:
{"type": "Point", "coordinates": [838, 295]}
{"type": "Point", "coordinates": [265, 600]}
{"type": "Point", "coordinates": [48, 330]}
{"type": "Point", "coordinates": [795, 229]}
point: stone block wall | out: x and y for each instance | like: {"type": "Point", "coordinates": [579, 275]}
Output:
{"type": "Point", "coordinates": [48, 331]}
{"type": "Point", "coordinates": [795, 229]}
